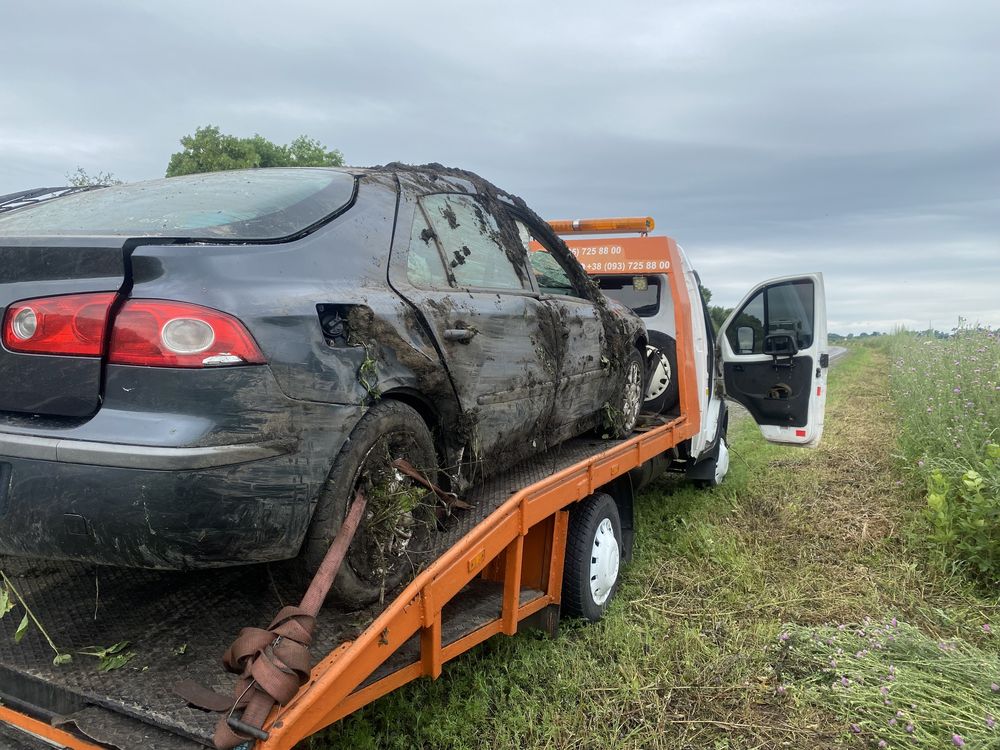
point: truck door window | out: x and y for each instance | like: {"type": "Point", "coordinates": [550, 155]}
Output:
{"type": "Point", "coordinates": [550, 275]}
{"type": "Point", "coordinates": [424, 267]}
{"type": "Point", "coordinates": [470, 243]}
{"type": "Point", "coordinates": [781, 308]}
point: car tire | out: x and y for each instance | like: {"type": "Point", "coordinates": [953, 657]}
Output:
{"type": "Point", "coordinates": [593, 557]}
{"type": "Point", "coordinates": [623, 410]}
{"type": "Point", "coordinates": [662, 392]}
{"type": "Point", "coordinates": [393, 538]}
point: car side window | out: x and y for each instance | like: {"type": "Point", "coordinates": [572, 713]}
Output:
{"type": "Point", "coordinates": [470, 243]}
{"type": "Point", "coordinates": [424, 267]}
{"type": "Point", "coordinates": [550, 274]}
{"type": "Point", "coordinates": [780, 308]}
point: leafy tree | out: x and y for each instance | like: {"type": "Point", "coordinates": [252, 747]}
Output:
{"type": "Point", "coordinates": [717, 314]}
{"type": "Point", "coordinates": [210, 150]}
{"type": "Point", "coordinates": [81, 178]}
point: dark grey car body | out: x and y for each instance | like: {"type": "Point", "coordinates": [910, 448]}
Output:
{"type": "Point", "coordinates": [182, 468]}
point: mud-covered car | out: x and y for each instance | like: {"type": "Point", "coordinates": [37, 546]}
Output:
{"type": "Point", "coordinates": [202, 371]}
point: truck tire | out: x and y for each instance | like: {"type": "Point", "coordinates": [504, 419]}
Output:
{"type": "Point", "coordinates": [622, 413]}
{"type": "Point", "coordinates": [662, 391]}
{"type": "Point", "coordinates": [711, 471]}
{"type": "Point", "coordinates": [593, 557]}
{"type": "Point", "coordinates": [399, 523]}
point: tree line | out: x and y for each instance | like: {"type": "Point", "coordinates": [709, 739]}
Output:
{"type": "Point", "coordinates": [211, 150]}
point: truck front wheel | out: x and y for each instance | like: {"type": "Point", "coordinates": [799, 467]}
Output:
{"type": "Point", "coordinates": [593, 557]}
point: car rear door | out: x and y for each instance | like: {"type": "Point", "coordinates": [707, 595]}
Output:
{"type": "Point", "coordinates": [774, 357]}
{"type": "Point", "coordinates": [583, 380]}
{"type": "Point", "coordinates": [476, 298]}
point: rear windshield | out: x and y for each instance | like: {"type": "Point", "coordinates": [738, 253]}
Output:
{"type": "Point", "coordinates": [254, 204]}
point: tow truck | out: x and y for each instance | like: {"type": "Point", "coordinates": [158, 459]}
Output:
{"type": "Point", "coordinates": [543, 539]}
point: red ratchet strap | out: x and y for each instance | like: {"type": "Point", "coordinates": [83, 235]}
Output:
{"type": "Point", "coordinates": [272, 664]}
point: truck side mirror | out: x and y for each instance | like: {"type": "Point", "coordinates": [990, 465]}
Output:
{"type": "Point", "coordinates": [780, 345]}
{"type": "Point", "coordinates": [744, 336]}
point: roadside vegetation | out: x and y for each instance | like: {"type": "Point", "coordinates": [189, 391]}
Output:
{"type": "Point", "coordinates": [798, 605]}
{"type": "Point", "coordinates": [948, 396]}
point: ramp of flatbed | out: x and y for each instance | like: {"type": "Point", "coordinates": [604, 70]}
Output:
{"type": "Point", "coordinates": [179, 624]}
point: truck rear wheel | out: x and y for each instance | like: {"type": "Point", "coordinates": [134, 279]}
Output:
{"type": "Point", "coordinates": [397, 530]}
{"type": "Point", "coordinates": [593, 557]}
{"type": "Point", "coordinates": [661, 363]}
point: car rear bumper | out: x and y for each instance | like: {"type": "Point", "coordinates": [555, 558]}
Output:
{"type": "Point", "coordinates": [167, 507]}
{"type": "Point", "coordinates": [251, 512]}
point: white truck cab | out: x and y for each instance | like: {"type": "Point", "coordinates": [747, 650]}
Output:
{"type": "Point", "coordinates": [770, 355]}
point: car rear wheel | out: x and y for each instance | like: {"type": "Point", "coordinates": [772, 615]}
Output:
{"type": "Point", "coordinates": [397, 530]}
{"type": "Point", "coordinates": [593, 557]}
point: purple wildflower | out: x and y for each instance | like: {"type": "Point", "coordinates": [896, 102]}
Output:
{"type": "Point", "coordinates": [883, 743]}
{"type": "Point", "coordinates": [990, 722]}
{"type": "Point", "coordinates": [994, 687]}
{"type": "Point", "coordinates": [895, 622]}
{"type": "Point", "coordinates": [987, 628]}
{"type": "Point", "coordinates": [909, 728]}
{"type": "Point", "coordinates": [844, 681]}
{"type": "Point", "coordinates": [892, 722]}
{"type": "Point", "coordinates": [781, 690]}
{"type": "Point", "coordinates": [784, 637]}
{"type": "Point", "coordinates": [884, 690]}
{"type": "Point", "coordinates": [957, 740]}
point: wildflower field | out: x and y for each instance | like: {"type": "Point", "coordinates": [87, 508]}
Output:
{"type": "Point", "coordinates": [947, 393]}
{"type": "Point", "coordinates": [805, 603]}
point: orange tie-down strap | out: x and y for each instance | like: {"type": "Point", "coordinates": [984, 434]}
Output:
{"type": "Point", "coordinates": [272, 664]}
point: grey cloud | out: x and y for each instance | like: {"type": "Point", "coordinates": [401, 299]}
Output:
{"type": "Point", "coordinates": [858, 138]}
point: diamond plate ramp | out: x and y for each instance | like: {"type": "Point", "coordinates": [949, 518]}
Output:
{"type": "Point", "coordinates": [179, 624]}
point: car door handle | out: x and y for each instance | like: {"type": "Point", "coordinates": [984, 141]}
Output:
{"type": "Point", "coordinates": [462, 335]}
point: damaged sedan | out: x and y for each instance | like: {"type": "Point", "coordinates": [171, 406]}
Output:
{"type": "Point", "coordinates": [202, 371]}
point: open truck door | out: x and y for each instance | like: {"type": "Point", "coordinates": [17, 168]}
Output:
{"type": "Point", "coordinates": [774, 358]}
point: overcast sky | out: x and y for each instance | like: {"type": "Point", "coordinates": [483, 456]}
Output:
{"type": "Point", "coordinates": [861, 139]}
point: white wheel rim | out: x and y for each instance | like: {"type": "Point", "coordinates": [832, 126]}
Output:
{"type": "Point", "coordinates": [604, 561]}
{"type": "Point", "coordinates": [660, 380]}
{"type": "Point", "coordinates": [633, 394]}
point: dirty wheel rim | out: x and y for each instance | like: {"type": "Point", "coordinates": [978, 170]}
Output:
{"type": "Point", "coordinates": [633, 394]}
{"type": "Point", "coordinates": [660, 379]}
{"type": "Point", "coordinates": [604, 561]}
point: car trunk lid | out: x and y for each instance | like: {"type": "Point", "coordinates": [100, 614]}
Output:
{"type": "Point", "coordinates": [44, 267]}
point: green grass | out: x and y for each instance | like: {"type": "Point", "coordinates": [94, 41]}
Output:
{"type": "Point", "coordinates": [899, 686]}
{"type": "Point", "coordinates": [689, 655]}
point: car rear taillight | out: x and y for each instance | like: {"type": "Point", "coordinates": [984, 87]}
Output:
{"type": "Point", "coordinates": [158, 333]}
{"type": "Point", "coordinates": [71, 325]}
{"type": "Point", "coordinates": [149, 332]}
